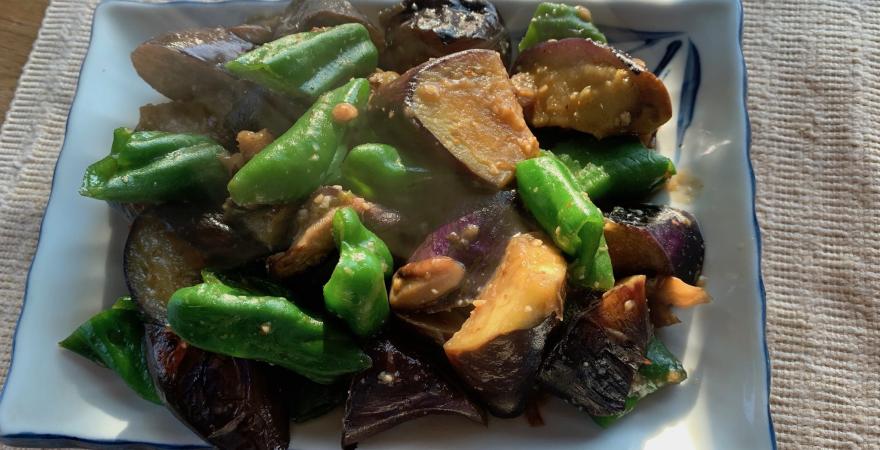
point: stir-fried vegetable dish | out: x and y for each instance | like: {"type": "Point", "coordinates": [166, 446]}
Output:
{"type": "Point", "coordinates": [400, 218]}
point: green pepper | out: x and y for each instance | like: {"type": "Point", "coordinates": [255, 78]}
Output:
{"type": "Point", "coordinates": [308, 64]}
{"type": "Point", "coordinates": [115, 339]}
{"type": "Point", "coordinates": [595, 273]}
{"type": "Point", "coordinates": [558, 21]}
{"type": "Point", "coordinates": [664, 369]}
{"type": "Point", "coordinates": [155, 166]}
{"type": "Point", "coordinates": [375, 171]}
{"type": "Point", "coordinates": [303, 158]}
{"type": "Point", "coordinates": [614, 168]}
{"type": "Point", "coordinates": [550, 193]}
{"type": "Point", "coordinates": [356, 291]}
{"type": "Point", "coordinates": [236, 320]}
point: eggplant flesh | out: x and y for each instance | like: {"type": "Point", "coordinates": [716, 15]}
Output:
{"type": "Point", "coordinates": [304, 15]}
{"type": "Point", "coordinates": [655, 240]}
{"type": "Point", "coordinates": [402, 385]}
{"type": "Point", "coordinates": [417, 31]}
{"type": "Point", "coordinates": [227, 401]}
{"type": "Point", "coordinates": [157, 262]}
{"type": "Point", "coordinates": [594, 364]}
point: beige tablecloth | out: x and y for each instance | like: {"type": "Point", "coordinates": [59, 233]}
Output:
{"type": "Point", "coordinates": [814, 86]}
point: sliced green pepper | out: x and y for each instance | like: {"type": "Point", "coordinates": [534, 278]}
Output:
{"type": "Point", "coordinates": [115, 339]}
{"type": "Point", "coordinates": [614, 168]}
{"type": "Point", "coordinates": [558, 21]}
{"type": "Point", "coordinates": [565, 212]}
{"type": "Point", "coordinates": [664, 369]}
{"type": "Point", "coordinates": [155, 166]}
{"type": "Point", "coordinates": [237, 321]}
{"type": "Point", "coordinates": [597, 274]}
{"type": "Point", "coordinates": [356, 291]}
{"type": "Point", "coordinates": [308, 64]}
{"type": "Point", "coordinates": [303, 158]}
{"type": "Point", "coordinates": [376, 171]}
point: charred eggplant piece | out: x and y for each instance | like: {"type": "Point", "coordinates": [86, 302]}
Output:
{"type": "Point", "coordinates": [271, 225]}
{"type": "Point", "coordinates": [304, 15]}
{"type": "Point", "coordinates": [255, 108]}
{"type": "Point", "coordinates": [417, 31]}
{"type": "Point", "coordinates": [655, 240]}
{"type": "Point", "coordinates": [439, 327]}
{"type": "Point", "coordinates": [229, 402]}
{"type": "Point", "coordinates": [594, 364]}
{"type": "Point", "coordinates": [590, 87]}
{"type": "Point", "coordinates": [498, 350]}
{"type": "Point", "coordinates": [402, 385]}
{"type": "Point", "coordinates": [158, 262]}
{"type": "Point", "coordinates": [187, 65]}
{"type": "Point", "coordinates": [455, 261]}
{"type": "Point", "coordinates": [185, 117]}
{"type": "Point", "coordinates": [447, 104]}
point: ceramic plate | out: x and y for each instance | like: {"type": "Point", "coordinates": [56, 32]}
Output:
{"type": "Point", "coordinates": [55, 398]}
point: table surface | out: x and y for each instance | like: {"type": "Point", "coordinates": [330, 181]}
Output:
{"type": "Point", "coordinates": [19, 24]}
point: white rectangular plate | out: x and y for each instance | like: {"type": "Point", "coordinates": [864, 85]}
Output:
{"type": "Point", "coordinates": [54, 398]}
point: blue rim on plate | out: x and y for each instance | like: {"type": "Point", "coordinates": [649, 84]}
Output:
{"type": "Point", "coordinates": [54, 440]}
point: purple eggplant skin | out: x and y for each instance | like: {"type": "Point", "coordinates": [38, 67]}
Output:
{"type": "Point", "coordinates": [416, 31]}
{"type": "Point", "coordinates": [655, 240]}
{"type": "Point", "coordinates": [157, 262]}
{"type": "Point", "coordinates": [304, 15]}
{"type": "Point", "coordinates": [186, 65]}
{"type": "Point", "coordinates": [594, 363]}
{"type": "Point", "coordinates": [229, 402]}
{"type": "Point", "coordinates": [402, 385]}
{"type": "Point", "coordinates": [504, 371]}
{"type": "Point", "coordinates": [477, 240]}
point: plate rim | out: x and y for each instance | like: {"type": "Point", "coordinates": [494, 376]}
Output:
{"type": "Point", "coordinates": [37, 439]}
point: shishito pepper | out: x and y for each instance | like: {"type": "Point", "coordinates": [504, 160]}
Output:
{"type": "Point", "coordinates": [305, 156]}
{"type": "Point", "coordinates": [155, 166]}
{"type": "Point", "coordinates": [662, 369]}
{"type": "Point", "coordinates": [308, 64]}
{"type": "Point", "coordinates": [115, 339]}
{"type": "Point", "coordinates": [375, 171]}
{"type": "Point", "coordinates": [559, 21]}
{"type": "Point", "coordinates": [614, 168]}
{"type": "Point", "coordinates": [356, 291]}
{"type": "Point", "coordinates": [235, 320]}
{"type": "Point", "coordinates": [595, 273]}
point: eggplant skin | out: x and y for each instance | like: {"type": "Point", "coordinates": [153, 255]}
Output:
{"type": "Point", "coordinates": [402, 385]}
{"type": "Point", "coordinates": [227, 401]}
{"type": "Point", "coordinates": [503, 371]}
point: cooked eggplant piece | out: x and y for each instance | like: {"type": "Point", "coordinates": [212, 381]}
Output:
{"type": "Point", "coordinates": [498, 350]}
{"type": "Point", "coordinates": [313, 241]}
{"type": "Point", "coordinates": [184, 117]}
{"type": "Point", "coordinates": [227, 401]}
{"type": "Point", "coordinates": [255, 33]}
{"type": "Point", "coordinates": [158, 262]}
{"type": "Point", "coordinates": [271, 225]}
{"type": "Point", "coordinates": [593, 366]}
{"type": "Point", "coordinates": [417, 31]}
{"type": "Point", "coordinates": [666, 292]}
{"type": "Point", "coordinates": [460, 107]}
{"type": "Point", "coordinates": [304, 15]}
{"type": "Point", "coordinates": [655, 240]}
{"type": "Point", "coordinates": [455, 261]}
{"type": "Point", "coordinates": [439, 327]}
{"type": "Point", "coordinates": [256, 108]}
{"type": "Point", "coordinates": [590, 87]}
{"type": "Point", "coordinates": [187, 65]}
{"type": "Point", "coordinates": [308, 400]}
{"type": "Point", "coordinates": [402, 385]}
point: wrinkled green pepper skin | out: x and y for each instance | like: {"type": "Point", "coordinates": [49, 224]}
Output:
{"type": "Point", "coordinates": [376, 171]}
{"type": "Point", "coordinates": [356, 292]}
{"type": "Point", "coordinates": [563, 210]}
{"type": "Point", "coordinates": [238, 322]}
{"type": "Point", "coordinates": [594, 273]}
{"type": "Point", "coordinates": [155, 166]}
{"type": "Point", "coordinates": [115, 339]}
{"type": "Point", "coordinates": [663, 370]}
{"type": "Point", "coordinates": [304, 157]}
{"type": "Point", "coordinates": [306, 65]}
{"type": "Point", "coordinates": [559, 21]}
{"type": "Point", "coordinates": [615, 168]}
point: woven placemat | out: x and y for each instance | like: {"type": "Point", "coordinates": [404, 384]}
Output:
{"type": "Point", "coordinates": [814, 87]}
